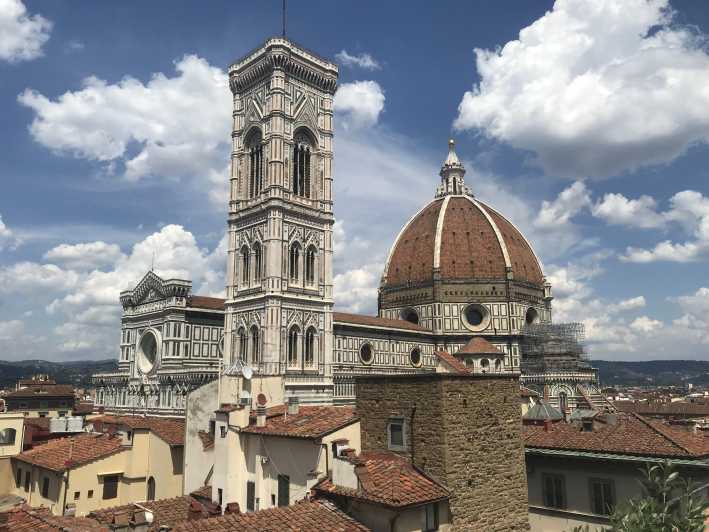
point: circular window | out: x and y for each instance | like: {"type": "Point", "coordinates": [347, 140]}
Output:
{"type": "Point", "coordinates": [410, 315]}
{"type": "Point", "coordinates": [532, 316]}
{"type": "Point", "coordinates": [365, 353]}
{"type": "Point", "coordinates": [147, 351]}
{"type": "Point", "coordinates": [476, 317]}
{"type": "Point", "coordinates": [415, 357]}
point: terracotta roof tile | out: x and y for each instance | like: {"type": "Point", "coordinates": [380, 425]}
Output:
{"type": "Point", "coordinates": [374, 321]}
{"type": "Point", "coordinates": [631, 434]}
{"type": "Point", "coordinates": [209, 303]}
{"type": "Point", "coordinates": [28, 519]}
{"type": "Point", "coordinates": [389, 479]}
{"type": "Point", "coordinates": [166, 512]}
{"type": "Point", "coordinates": [305, 516]}
{"type": "Point", "coordinates": [64, 453]}
{"type": "Point", "coordinates": [207, 440]}
{"type": "Point", "coordinates": [657, 408]}
{"type": "Point", "coordinates": [452, 362]}
{"type": "Point", "coordinates": [311, 422]}
{"type": "Point", "coordinates": [38, 423]}
{"type": "Point", "coordinates": [479, 346]}
{"type": "Point", "coordinates": [469, 246]}
{"type": "Point", "coordinates": [170, 430]}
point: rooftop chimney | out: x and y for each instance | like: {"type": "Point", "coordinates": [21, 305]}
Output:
{"type": "Point", "coordinates": [261, 416]}
{"type": "Point", "coordinates": [547, 425]}
{"type": "Point", "coordinates": [293, 406]}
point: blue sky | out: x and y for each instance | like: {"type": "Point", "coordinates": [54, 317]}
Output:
{"type": "Point", "coordinates": [584, 122]}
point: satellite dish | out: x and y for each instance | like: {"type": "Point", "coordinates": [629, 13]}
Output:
{"type": "Point", "coordinates": [247, 372]}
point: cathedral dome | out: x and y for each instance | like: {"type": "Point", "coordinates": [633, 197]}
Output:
{"type": "Point", "coordinates": [459, 238]}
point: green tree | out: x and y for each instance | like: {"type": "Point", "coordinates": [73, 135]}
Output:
{"type": "Point", "coordinates": [669, 503]}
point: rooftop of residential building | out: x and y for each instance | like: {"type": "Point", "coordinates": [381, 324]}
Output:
{"type": "Point", "coordinates": [311, 422]}
{"type": "Point", "coordinates": [304, 516]}
{"type": "Point", "coordinates": [166, 512]}
{"type": "Point", "coordinates": [24, 518]}
{"type": "Point", "coordinates": [170, 430]}
{"type": "Point", "coordinates": [67, 453]}
{"type": "Point", "coordinates": [626, 434]}
{"type": "Point", "coordinates": [386, 478]}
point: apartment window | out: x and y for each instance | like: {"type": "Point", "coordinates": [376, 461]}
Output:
{"type": "Point", "coordinates": [431, 516]}
{"type": "Point", "coordinates": [45, 487]}
{"type": "Point", "coordinates": [18, 478]}
{"type": "Point", "coordinates": [77, 495]}
{"type": "Point", "coordinates": [602, 496]}
{"type": "Point", "coordinates": [250, 496]}
{"type": "Point", "coordinates": [62, 413]}
{"type": "Point", "coordinates": [90, 494]}
{"type": "Point", "coordinates": [396, 430]}
{"type": "Point", "coordinates": [43, 414]}
{"type": "Point", "coordinates": [110, 487]}
{"type": "Point", "coordinates": [283, 490]}
{"type": "Point", "coordinates": [28, 480]}
{"type": "Point", "coordinates": [554, 491]}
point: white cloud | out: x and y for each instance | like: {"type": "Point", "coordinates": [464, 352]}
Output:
{"type": "Point", "coordinates": [7, 238]}
{"type": "Point", "coordinates": [84, 256]}
{"type": "Point", "coordinates": [363, 60]}
{"type": "Point", "coordinates": [32, 278]}
{"type": "Point", "coordinates": [356, 289]}
{"type": "Point", "coordinates": [627, 304]}
{"type": "Point", "coordinates": [21, 35]}
{"type": "Point", "coordinates": [181, 124]}
{"type": "Point", "coordinates": [595, 88]}
{"type": "Point", "coordinates": [690, 210]}
{"type": "Point", "coordinates": [11, 330]}
{"type": "Point", "coordinates": [567, 205]}
{"type": "Point", "coordinates": [616, 209]}
{"type": "Point", "coordinates": [644, 324]}
{"type": "Point", "coordinates": [359, 104]}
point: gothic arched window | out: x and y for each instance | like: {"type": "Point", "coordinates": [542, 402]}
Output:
{"type": "Point", "coordinates": [242, 344]}
{"type": "Point", "coordinates": [255, 345]}
{"type": "Point", "coordinates": [245, 265]}
{"type": "Point", "coordinates": [293, 261]}
{"type": "Point", "coordinates": [254, 149]}
{"type": "Point", "coordinates": [293, 335]}
{"type": "Point", "coordinates": [309, 356]}
{"type": "Point", "coordinates": [257, 262]}
{"type": "Point", "coordinates": [310, 265]}
{"type": "Point", "coordinates": [302, 150]}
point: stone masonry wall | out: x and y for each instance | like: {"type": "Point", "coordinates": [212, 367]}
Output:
{"type": "Point", "coordinates": [466, 433]}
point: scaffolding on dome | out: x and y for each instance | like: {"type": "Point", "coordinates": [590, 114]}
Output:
{"type": "Point", "coordinates": [557, 347]}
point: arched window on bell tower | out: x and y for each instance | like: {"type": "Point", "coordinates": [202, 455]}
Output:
{"type": "Point", "coordinates": [309, 351]}
{"type": "Point", "coordinates": [255, 345]}
{"type": "Point", "coordinates": [293, 336]}
{"type": "Point", "coordinates": [255, 166]}
{"type": "Point", "coordinates": [310, 265]}
{"type": "Point", "coordinates": [258, 262]}
{"type": "Point", "coordinates": [245, 266]}
{"type": "Point", "coordinates": [303, 150]}
{"type": "Point", "coordinates": [294, 262]}
{"type": "Point", "coordinates": [243, 355]}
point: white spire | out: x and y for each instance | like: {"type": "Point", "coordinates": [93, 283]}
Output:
{"type": "Point", "coordinates": [452, 173]}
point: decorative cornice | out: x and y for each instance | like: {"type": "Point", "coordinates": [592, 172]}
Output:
{"type": "Point", "coordinates": [280, 53]}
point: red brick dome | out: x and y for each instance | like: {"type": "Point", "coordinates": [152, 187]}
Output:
{"type": "Point", "coordinates": [463, 239]}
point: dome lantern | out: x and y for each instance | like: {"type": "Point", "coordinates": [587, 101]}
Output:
{"type": "Point", "coordinates": [452, 175]}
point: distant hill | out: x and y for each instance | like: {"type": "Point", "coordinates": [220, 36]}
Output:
{"type": "Point", "coordinates": [647, 373]}
{"type": "Point", "coordinates": [652, 372]}
{"type": "Point", "coordinates": [77, 372]}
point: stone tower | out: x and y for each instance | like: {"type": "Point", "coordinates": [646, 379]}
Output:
{"type": "Point", "coordinates": [279, 295]}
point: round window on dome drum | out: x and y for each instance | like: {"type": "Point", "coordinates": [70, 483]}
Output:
{"type": "Point", "coordinates": [476, 317]}
{"type": "Point", "coordinates": [365, 353]}
{"type": "Point", "coordinates": [415, 357]}
{"type": "Point", "coordinates": [532, 316]}
{"type": "Point", "coordinates": [410, 315]}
